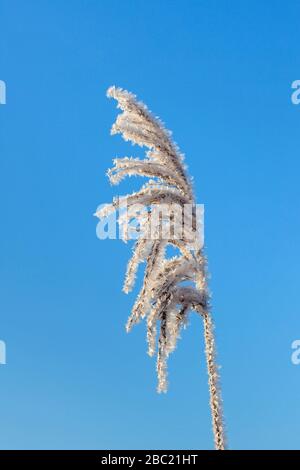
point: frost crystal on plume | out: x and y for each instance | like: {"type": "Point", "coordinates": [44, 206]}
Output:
{"type": "Point", "coordinates": [172, 287]}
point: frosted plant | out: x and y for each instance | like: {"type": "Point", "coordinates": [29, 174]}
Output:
{"type": "Point", "coordinates": [172, 288]}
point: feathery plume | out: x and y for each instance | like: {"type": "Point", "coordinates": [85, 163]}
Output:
{"type": "Point", "coordinates": [171, 287]}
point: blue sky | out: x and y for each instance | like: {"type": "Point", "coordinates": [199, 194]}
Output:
{"type": "Point", "coordinates": [219, 74]}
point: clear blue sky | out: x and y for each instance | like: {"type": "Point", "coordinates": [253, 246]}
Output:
{"type": "Point", "coordinates": [219, 74]}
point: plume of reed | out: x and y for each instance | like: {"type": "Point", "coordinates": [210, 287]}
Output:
{"type": "Point", "coordinates": [164, 299]}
